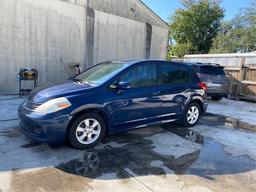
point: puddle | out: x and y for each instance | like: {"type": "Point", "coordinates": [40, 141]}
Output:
{"type": "Point", "coordinates": [94, 164]}
{"type": "Point", "coordinates": [134, 152]}
{"type": "Point", "coordinates": [213, 160]}
{"type": "Point", "coordinates": [138, 155]}
{"type": "Point", "coordinates": [184, 132]}
{"type": "Point", "coordinates": [212, 120]}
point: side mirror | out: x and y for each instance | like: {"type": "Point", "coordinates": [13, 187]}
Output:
{"type": "Point", "coordinates": [123, 85]}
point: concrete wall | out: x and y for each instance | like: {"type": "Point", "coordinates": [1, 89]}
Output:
{"type": "Point", "coordinates": [37, 33]}
{"type": "Point", "coordinates": [132, 9]}
{"type": "Point", "coordinates": [159, 42]}
{"type": "Point", "coordinates": [223, 59]}
{"type": "Point", "coordinates": [118, 38]}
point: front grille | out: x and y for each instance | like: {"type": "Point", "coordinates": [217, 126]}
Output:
{"type": "Point", "coordinates": [30, 127]}
{"type": "Point", "coordinates": [31, 106]}
{"type": "Point", "coordinates": [27, 126]}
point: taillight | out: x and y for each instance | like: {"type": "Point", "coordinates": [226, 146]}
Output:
{"type": "Point", "coordinates": [202, 86]}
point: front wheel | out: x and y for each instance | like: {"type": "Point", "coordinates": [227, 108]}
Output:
{"type": "Point", "coordinates": [191, 115]}
{"type": "Point", "coordinates": [87, 130]}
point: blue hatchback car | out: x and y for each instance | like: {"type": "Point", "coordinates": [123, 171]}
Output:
{"type": "Point", "coordinates": [112, 97]}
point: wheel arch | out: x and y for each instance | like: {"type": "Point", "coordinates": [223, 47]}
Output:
{"type": "Point", "coordinates": [97, 110]}
{"type": "Point", "coordinates": [199, 102]}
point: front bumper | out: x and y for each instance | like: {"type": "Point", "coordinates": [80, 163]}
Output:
{"type": "Point", "coordinates": [43, 128]}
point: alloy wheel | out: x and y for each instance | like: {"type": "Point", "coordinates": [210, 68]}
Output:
{"type": "Point", "coordinates": [193, 114]}
{"type": "Point", "coordinates": [88, 131]}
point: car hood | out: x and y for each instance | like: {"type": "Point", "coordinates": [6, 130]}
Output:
{"type": "Point", "coordinates": [50, 91]}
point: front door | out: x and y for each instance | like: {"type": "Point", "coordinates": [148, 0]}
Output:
{"type": "Point", "coordinates": [140, 104]}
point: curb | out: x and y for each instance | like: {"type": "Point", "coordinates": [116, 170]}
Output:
{"type": "Point", "coordinates": [234, 122]}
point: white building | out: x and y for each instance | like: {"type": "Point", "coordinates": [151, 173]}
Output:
{"type": "Point", "coordinates": [36, 33]}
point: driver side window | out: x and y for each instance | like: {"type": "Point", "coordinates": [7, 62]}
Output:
{"type": "Point", "coordinates": [141, 76]}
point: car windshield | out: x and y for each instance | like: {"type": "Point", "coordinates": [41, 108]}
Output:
{"type": "Point", "coordinates": [101, 73]}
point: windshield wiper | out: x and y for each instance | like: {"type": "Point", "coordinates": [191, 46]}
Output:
{"type": "Point", "coordinates": [77, 80]}
{"type": "Point", "coordinates": [88, 83]}
{"type": "Point", "coordinates": [83, 82]}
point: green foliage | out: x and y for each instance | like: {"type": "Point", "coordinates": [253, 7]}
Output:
{"type": "Point", "coordinates": [239, 34]}
{"type": "Point", "coordinates": [194, 27]}
{"type": "Point", "coordinates": [180, 49]}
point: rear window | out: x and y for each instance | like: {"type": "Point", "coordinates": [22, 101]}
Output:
{"type": "Point", "coordinates": [210, 70]}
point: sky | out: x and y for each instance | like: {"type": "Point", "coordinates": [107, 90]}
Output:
{"type": "Point", "coordinates": [164, 8]}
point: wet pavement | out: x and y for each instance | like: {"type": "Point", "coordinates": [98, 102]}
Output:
{"type": "Point", "coordinates": [229, 108]}
{"type": "Point", "coordinates": [166, 158]}
{"type": "Point", "coordinates": [209, 157]}
{"type": "Point", "coordinates": [137, 155]}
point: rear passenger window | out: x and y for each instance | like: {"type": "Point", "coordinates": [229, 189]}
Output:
{"type": "Point", "coordinates": [184, 75]}
{"type": "Point", "coordinates": [141, 76]}
{"type": "Point", "coordinates": [173, 74]}
{"type": "Point", "coordinates": [169, 74]}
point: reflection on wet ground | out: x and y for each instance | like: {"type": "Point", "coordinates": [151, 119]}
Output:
{"type": "Point", "coordinates": [166, 158]}
{"type": "Point", "coordinates": [136, 153]}
{"type": "Point", "coordinates": [184, 132]}
{"type": "Point", "coordinates": [213, 160]}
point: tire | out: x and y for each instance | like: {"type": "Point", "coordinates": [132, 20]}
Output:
{"type": "Point", "coordinates": [216, 98]}
{"type": "Point", "coordinates": [87, 131]}
{"type": "Point", "coordinates": [193, 111]}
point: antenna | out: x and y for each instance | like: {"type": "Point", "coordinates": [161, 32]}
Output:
{"type": "Point", "coordinates": [66, 68]}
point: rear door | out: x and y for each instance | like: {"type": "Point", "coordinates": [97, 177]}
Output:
{"type": "Point", "coordinates": [174, 82]}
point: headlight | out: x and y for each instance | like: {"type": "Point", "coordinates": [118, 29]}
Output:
{"type": "Point", "coordinates": [53, 105]}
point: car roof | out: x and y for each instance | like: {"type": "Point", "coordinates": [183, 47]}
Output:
{"type": "Point", "coordinates": [133, 62]}
{"type": "Point", "coordinates": [199, 64]}
{"type": "Point", "coordinates": [190, 64]}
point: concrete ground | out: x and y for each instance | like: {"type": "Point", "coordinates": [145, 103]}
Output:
{"type": "Point", "coordinates": [241, 110]}
{"type": "Point", "coordinates": [9, 106]}
{"type": "Point", "coordinates": [209, 157]}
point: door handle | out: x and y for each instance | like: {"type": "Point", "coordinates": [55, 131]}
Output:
{"type": "Point", "coordinates": [155, 93]}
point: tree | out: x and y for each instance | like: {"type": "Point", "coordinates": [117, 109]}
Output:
{"type": "Point", "coordinates": [194, 27]}
{"type": "Point", "coordinates": [239, 34]}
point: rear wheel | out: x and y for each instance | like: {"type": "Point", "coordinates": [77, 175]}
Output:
{"type": "Point", "coordinates": [87, 131]}
{"type": "Point", "coordinates": [191, 115]}
{"type": "Point", "coordinates": [216, 98]}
